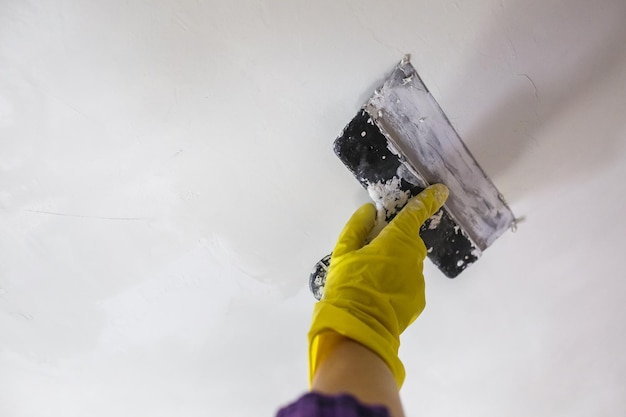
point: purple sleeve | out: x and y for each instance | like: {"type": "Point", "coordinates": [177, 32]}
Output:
{"type": "Point", "coordinates": [319, 405]}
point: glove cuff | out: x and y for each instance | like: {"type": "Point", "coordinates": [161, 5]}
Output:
{"type": "Point", "coordinates": [327, 317]}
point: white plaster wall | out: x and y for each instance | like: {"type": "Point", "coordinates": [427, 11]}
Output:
{"type": "Point", "coordinates": [167, 183]}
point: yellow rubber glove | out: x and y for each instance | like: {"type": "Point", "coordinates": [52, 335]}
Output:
{"type": "Point", "coordinates": [374, 291]}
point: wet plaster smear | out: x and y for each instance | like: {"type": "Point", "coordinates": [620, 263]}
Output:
{"type": "Point", "coordinates": [167, 182]}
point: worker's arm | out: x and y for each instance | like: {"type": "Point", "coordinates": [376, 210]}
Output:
{"type": "Point", "coordinates": [373, 292]}
{"type": "Point", "coordinates": [352, 368]}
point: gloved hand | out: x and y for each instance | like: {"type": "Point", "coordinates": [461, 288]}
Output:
{"type": "Point", "coordinates": [374, 291]}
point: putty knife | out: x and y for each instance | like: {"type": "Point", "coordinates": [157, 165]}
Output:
{"type": "Point", "coordinates": [399, 143]}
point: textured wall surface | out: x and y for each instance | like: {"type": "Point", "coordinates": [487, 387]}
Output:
{"type": "Point", "coordinates": [167, 182]}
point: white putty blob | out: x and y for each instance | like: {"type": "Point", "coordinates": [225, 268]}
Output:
{"type": "Point", "coordinates": [389, 198]}
{"type": "Point", "coordinates": [435, 220]}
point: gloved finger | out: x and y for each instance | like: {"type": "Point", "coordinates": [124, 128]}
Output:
{"type": "Point", "coordinates": [353, 235]}
{"type": "Point", "coordinates": [418, 209]}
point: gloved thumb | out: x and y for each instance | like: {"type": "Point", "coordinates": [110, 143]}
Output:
{"type": "Point", "coordinates": [355, 232]}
